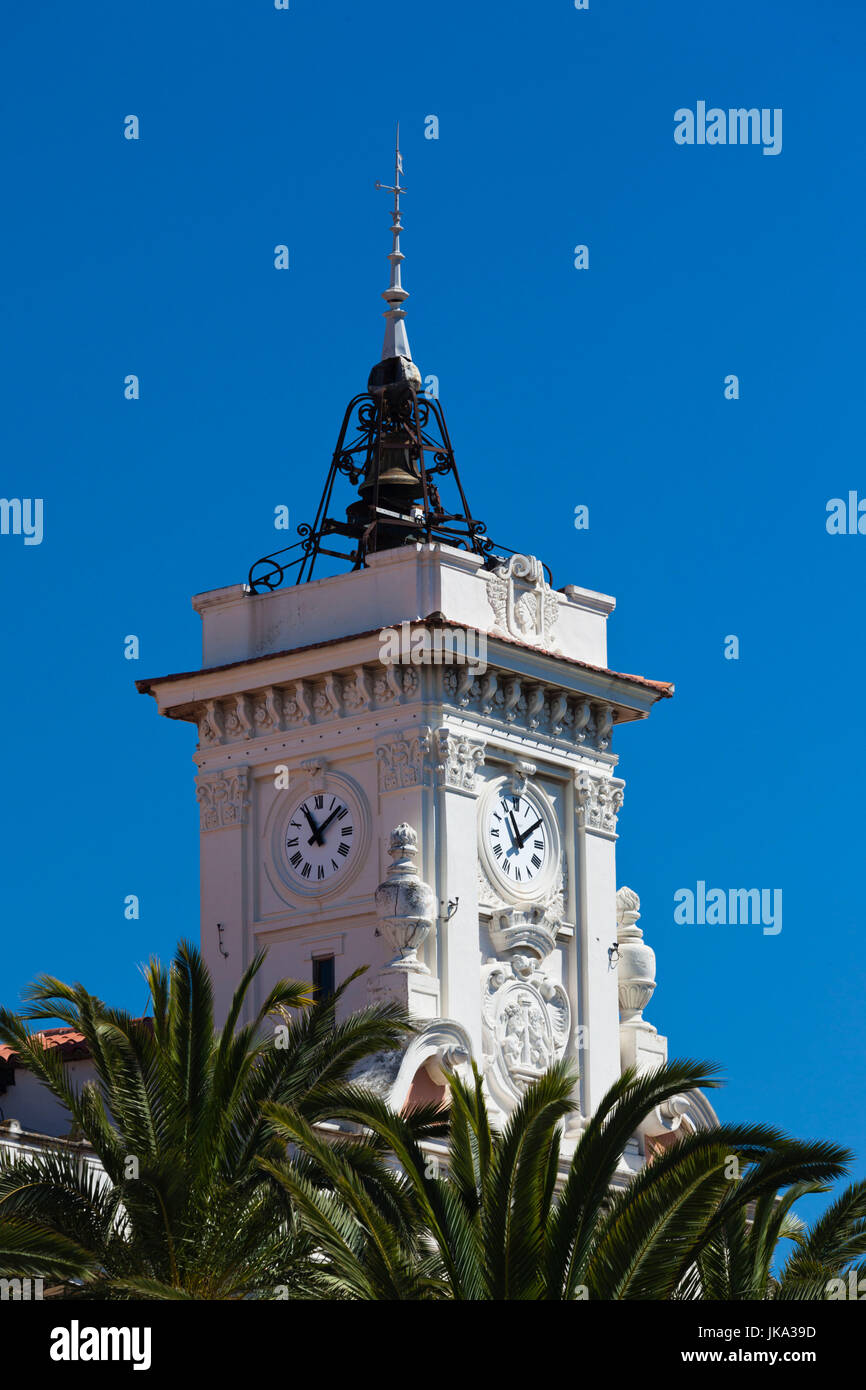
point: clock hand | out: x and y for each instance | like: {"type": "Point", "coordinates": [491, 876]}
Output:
{"type": "Point", "coordinates": [325, 823]}
{"type": "Point", "coordinates": [514, 832]}
{"type": "Point", "coordinates": [316, 836]}
{"type": "Point", "coordinates": [526, 833]}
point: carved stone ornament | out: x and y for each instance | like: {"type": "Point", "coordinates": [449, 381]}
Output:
{"type": "Point", "coordinates": [222, 798]}
{"type": "Point", "coordinates": [551, 905]}
{"type": "Point", "coordinates": [405, 904]}
{"type": "Point", "coordinates": [636, 966]}
{"type": "Point", "coordinates": [519, 702]}
{"type": "Point", "coordinates": [525, 606]}
{"type": "Point", "coordinates": [519, 774]}
{"type": "Point", "coordinates": [458, 759]}
{"type": "Point", "coordinates": [599, 801]}
{"type": "Point", "coordinates": [316, 769]}
{"type": "Point", "coordinates": [401, 759]}
{"type": "Point", "coordinates": [525, 930]}
{"type": "Point", "coordinates": [526, 1025]}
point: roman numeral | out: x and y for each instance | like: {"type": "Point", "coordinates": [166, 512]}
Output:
{"type": "Point", "coordinates": [291, 843]}
{"type": "Point", "coordinates": [320, 873]}
{"type": "Point", "coordinates": [331, 807]}
{"type": "Point", "coordinates": [343, 811]}
{"type": "Point", "coordinates": [539, 844]}
{"type": "Point", "coordinates": [305, 871]}
{"type": "Point", "coordinates": [497, 850]}
{"type": "Point", "coordinates": [494, 830]}
{"type": "Point", "coordinates": [296, 824]}
{"type": "Point", "coordinates": [507, 867]}
{"type": "Point", "coordinates": [320, 801]}
{"type": "Point", "coordinates": [343, 849]}
{"type": "Point", "coordinates": [334, 865]}
{"type": "Point", "coordinates": [517, 872]}
{"type": "Point", "coordinates": [536, 861]}
{"type": "Point", "coordinates": [296, 858]}
{"type": "Point", "coordinates": [347, 830]}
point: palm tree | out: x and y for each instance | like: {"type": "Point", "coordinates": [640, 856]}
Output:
{"type": "Point", "coordinates": [739, 1262]}
{"type": "Point", "coordinates": [496, 1219]}
{"type": "Point", "coordinates": [182, 1208]}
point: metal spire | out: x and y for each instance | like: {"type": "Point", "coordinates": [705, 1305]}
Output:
{"type": "Point", "coordinates": [396, 342]}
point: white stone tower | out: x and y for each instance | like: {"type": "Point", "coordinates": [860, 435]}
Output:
{"type": "Point", "coordinates": [409, 766]}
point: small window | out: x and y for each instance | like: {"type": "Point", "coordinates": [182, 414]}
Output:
{"type": "Point", "coordinates": [323, 976]}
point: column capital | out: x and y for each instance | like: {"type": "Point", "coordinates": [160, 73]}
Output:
{"type": "Point", "coordinates": [400, 758]}
{"type": "Point", "coordinates": [223, 797]}
{"type": "Point", "coordinates": [458, 760]}
{"type": "Point", "coordinates": [598, 801]}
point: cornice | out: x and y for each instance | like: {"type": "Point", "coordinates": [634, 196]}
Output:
{"type": "Point", "coordinates": [634, 693]}
{"type": "Point", "coordinates": [497, 704]}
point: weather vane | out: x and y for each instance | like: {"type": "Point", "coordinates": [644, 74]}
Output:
{"type": "Point", "coordinates": [396, 339]}
{"type": "Point", "coordinates": [398, 169]}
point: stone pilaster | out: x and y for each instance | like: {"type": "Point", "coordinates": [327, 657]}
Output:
{"type": "Point", "coordinates": [597, 801]}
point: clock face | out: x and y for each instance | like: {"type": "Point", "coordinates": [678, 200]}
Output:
{"type": "Point", "coordinates": [517, 838]}
{"type": "Point", "coordinates": [320, 838]}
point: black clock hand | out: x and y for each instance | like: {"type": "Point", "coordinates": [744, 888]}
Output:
{"type": "Point", "coordinates": [526, 833]}
{"type": "Point", "coordinates": [316, 837]}
{"type": "Point", "coordinates": [514, 832]}
{"type": "Point", "coordinates": [325, 823]}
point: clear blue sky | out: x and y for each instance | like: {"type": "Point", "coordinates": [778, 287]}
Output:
{"type": "Point", "coordinates": [604, 387]}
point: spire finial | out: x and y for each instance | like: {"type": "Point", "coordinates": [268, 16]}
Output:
{"type": "Point", "coordinates": [396, 342]}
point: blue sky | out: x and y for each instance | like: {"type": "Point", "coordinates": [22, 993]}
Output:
{"type": "Point", "coordinates": [602, 387]}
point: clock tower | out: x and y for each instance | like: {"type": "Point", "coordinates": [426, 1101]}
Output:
{"type": "Point", "coordinates": [409, 766]}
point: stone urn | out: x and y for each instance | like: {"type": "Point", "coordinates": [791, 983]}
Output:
{"type": "Point", "coordinates": [405, 904]}
{"type": "Point", "coordinates": [636, 967]}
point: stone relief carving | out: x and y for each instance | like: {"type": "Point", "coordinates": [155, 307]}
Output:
{"type": "Point", "coordinates": [358, 693]}
{"type": "Point", "coordinates": [296, 706]}
{"type": "Point", "coordinates": [599, 800]}
{"type": "Point", "coordinates": [526, 1020]}
{"type": "Point", "coordinates": [526, 1016]}
{"type": "Point", "coordinates": [524, 604]}
{"type": "Point", "coordinates": [267, 710]}
{"type": "Point", "coordinates": [316, 769]}
{"type": "Point", "coordinates": [238, 718]}
{"type": "Point", "coordinates": [211, 724]}
{"type": "Point", "coordinates": [222, 798]}
{"type": "Point", "coordinates": [519, 773]}
{"type": "Point", "coordinates": [575, 721]}
{"type": "Point", "coordinates": [388, 685]}
{"type": "Point", "coordinates": [400, 759]}
{"type": "Point", "coordinates": [458, 759]}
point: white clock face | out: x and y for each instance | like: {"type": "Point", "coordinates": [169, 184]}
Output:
{"type": "Point", "coordinates": [517, 838]}
{"type": "Point", "coordinates": [320, 837]}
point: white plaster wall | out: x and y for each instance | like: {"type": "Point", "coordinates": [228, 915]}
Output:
{"type": "Point", "coordinates": [401, 584]}
{"type": "Point", "coordinates": [34, 1106]}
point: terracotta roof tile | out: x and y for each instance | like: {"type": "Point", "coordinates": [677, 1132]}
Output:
{"type": "Point", "coordinates": [71, 1044]}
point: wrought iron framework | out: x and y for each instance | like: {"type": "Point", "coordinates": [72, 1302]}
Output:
{"type": "Point", "coordinates": [374, 426]}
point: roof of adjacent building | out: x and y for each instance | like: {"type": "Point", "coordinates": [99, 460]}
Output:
{"type": "Point", "coordinates": [73, 1045]}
